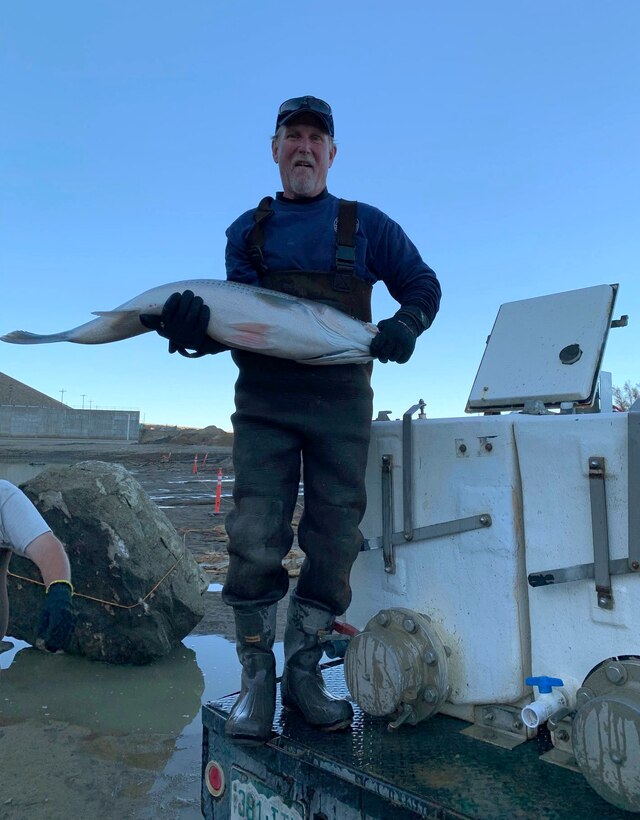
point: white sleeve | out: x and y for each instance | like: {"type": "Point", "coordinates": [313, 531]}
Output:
{"type": "Point", "coordinates": [20, 521]}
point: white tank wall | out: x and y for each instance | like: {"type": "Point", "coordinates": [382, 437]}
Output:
{"type": "Point", "coordinates": [534, 482]}
{"type": "Point", "coordinates": [570, 634]}
{"type": "Point", "coordinates": [473, 584]}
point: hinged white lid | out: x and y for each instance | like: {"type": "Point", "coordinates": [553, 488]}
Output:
{"type": "Point", "coordinates": [548, 349]}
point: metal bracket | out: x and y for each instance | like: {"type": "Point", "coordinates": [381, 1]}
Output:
{"type": "Point", "coordinates": [473, 522]}
{"type": "Point", "coordinates": [623, 321]}
{"type": "Point", "coordinates": [633, 484]}
{"type": "Point", "coordinates": [561, 754]}
{"type": "Point", "coordinates": [498, 724]}
{"type": "Point", "coordinates": [600, 531]}
{"type": "Point", "coordinates": [387, 514]}
{"type": "Point", "coordinates": [407, 467]}
{"type": "Point", "coordinates": [603, 567]}
{"type": "Point", "coordinates": [579, 572]}
{"type": "Point", "coordinates": [389, 539]}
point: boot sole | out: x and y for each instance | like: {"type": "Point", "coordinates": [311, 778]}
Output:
{"type": "Point", "coordinates": [245, 740]}
{"type": "Point", "coordinates": [323, 727]}
{"type": "Point", "coordinates": [336, 727]}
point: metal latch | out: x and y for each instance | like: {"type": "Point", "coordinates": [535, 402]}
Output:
{"type": "Point", "coordinates": [600, 530]}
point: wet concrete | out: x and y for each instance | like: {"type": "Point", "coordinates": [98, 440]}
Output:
{"type": "Point", "coordinates": [81, 738]}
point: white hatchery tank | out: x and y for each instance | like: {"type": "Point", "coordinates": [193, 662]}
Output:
{"type": "Point", "coordinates": [529, 472]}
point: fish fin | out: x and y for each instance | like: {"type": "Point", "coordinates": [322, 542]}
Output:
{"type": "Point", "coordinates": [252, 335]}
{"type": "Point", "coordinates": [251, 327]}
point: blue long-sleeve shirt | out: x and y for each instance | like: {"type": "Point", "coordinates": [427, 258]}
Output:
{"type": "Point", "coordinates": [301, 235]}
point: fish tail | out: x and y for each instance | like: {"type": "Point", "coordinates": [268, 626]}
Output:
{"type": "Point", "coordinates": [111, 326]}
{"type": "Point", "coordinates": [23, 337]}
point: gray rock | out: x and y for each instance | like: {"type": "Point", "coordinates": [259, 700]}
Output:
{"type": "Point", "coordinates": [138, 590]}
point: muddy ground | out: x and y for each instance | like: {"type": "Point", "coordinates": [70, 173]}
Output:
{"type": "Point", "coordinates": [54, 765]}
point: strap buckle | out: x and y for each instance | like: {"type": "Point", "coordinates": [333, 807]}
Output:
{"type": "Point", "coordinates": [345, 257]}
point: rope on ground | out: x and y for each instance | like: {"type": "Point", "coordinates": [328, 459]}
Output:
{"type": "Point", "coordinates": [215, 570]}
{"type": "Point", "coordinates": [141, 602]}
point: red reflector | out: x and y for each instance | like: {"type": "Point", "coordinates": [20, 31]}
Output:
{"type": "Point", "coordinates": [214, 778]}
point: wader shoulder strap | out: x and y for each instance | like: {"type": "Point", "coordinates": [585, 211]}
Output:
{"type": "Point", "coordinates": [255, 240]}
{"type": "Point", "coordinates": [345, 240]}
{"type": "Point", "coordinates": [346, 244]}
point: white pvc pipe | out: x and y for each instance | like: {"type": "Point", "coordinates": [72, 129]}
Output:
{"type": "Point", "coordinates": [542, 708]}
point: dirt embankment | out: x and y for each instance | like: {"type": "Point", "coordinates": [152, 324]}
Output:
{"type": "Point", "coordinates": [210, 436]}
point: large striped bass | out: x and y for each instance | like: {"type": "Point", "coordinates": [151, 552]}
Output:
{"type": "Point", "coordinates": [242, 316]}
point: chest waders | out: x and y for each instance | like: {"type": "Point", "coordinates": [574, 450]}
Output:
{"type": "Point", "coordinates": [290, 415]}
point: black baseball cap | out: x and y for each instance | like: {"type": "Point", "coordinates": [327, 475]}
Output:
{"type": "Point", "coordinates": [306, 105]}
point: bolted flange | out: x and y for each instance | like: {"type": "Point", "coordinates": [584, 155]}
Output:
{"type": "Point", "coordinates": [398, 661]}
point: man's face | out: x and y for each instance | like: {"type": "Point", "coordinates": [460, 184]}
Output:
{"type": "Point", "coordinates": [304, 153]}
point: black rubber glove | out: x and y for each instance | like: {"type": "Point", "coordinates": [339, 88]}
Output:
{"type": "Point", "coordinates": [58, 617]}
{"type": "Point", "coordinates": [184, 321]}
{"type": "Point", "coordinates": [397, 336]}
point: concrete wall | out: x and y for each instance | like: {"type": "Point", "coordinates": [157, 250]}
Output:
{"type": "Point", "coordinates": [47, 422]}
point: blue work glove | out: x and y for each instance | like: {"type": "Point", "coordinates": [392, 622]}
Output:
{"type": "Point", "coordinates": [58, 616]}
{"type": "Point", "coordinates": [184, 321]}
{"type": "Point", "coordinates": [396, 339]}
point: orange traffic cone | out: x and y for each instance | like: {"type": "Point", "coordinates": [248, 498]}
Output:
{"type": "Point", "coordinates": [216, 508]}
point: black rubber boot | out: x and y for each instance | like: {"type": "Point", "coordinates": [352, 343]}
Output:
{"type": "Point", "coordinates": [251, 718]}
{"type": "Point", "coordinates": [302, 687]}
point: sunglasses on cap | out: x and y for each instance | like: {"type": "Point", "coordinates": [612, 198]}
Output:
{"type": "Point", "coordinates": [302, 105]}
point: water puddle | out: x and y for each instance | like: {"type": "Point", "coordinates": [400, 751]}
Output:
{"type": "Point", "coordinates": [18, 473]}
{"type": "Point", "coordinates": [95, 739]}
{"type": "Point", "coordinates": [136, 729]}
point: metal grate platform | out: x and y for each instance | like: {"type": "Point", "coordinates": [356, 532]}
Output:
{"type": "Point", "coordinates": [430, 770]}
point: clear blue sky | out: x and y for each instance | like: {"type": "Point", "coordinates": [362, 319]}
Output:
{"type": "Point", "coordinates": [503, 136]}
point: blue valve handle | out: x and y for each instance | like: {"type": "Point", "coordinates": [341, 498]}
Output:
{"type": "Point", "coordinates": [544, 683]}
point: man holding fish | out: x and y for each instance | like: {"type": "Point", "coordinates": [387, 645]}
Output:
{"type": "Point", "coordinates": [312, 245]}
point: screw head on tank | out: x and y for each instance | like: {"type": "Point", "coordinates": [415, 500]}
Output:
{"type": "Point", "coordinates": [430, 657]}
{"type": "Point", "coordinates": [430, 695]}
{"type": "Point", "coordinates": [409, 625]}
{"type": "Point", "coordinates": [584, 695]}
{"type": "Point", "coordinates": [616, 673]}
{"type": "Point", "coordinates": [383, 618]}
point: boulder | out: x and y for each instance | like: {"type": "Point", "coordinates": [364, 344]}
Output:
{"type": "Point", "coordinates": [138, 589]}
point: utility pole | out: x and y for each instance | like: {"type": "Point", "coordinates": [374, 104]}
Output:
{"type": "Point", "coordinates": [62, 392]}
{"type": "Point", "coordinates": [83, 395]}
